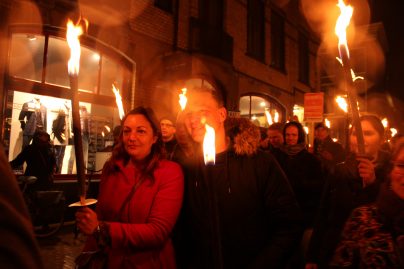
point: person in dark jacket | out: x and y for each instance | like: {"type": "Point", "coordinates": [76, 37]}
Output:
{"type": "Point", "coordinates": [40, 159]}
{"type": "Point", "coordinates": [355, 182]}
{"type": "Point", "coordinates": [373, 236]}
{"type": "Point", "coordinates": [325, 149]}
{"type": "Point", "coordinates": [303, 170]}
{"type": "Point", "coordinates": [275, 137]}
{"type": "Point", "coordinates": [167, 128]}
{"type": "Point", "coordinates": [18, 246]}
{"type": "Point", "coordinates": [239, 212]}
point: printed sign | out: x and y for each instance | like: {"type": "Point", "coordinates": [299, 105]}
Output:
{"type": "Point", "coordinates": [313, 106]}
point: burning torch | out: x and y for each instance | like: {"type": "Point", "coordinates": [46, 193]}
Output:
{"type": "Point", "coordinates": [72, 36]}
{"type": "Point", "coordinates": [340, 30]}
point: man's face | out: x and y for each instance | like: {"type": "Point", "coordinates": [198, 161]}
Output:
{"type": "Point", "coordinates": [167, 129]}
{"type": "Point", "coordinates": [292, 135]}
{"type": "Point", "coordinates": [202, 108]}
{"type": "Point", "coordinates": [275, 138]}
{"type": "Point", "coordinates": [321, 133]}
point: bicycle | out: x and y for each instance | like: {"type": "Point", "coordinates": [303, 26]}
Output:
{"type": "Point", "coordinates": [46, 208]}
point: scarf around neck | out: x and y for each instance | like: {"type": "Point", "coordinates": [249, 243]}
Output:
{"type": "Point", "coordinates": [292, 150]}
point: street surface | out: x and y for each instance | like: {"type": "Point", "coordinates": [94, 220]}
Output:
{"type": "Point", "coordinates": [60, 250]}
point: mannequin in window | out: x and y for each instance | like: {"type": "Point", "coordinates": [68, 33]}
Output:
{"type": "Point", "coordinates": [32, 118]}
{"type": "Point", "coordinates": [61, 134]}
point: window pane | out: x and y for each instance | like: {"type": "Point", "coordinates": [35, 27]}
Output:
{"type": "Point", "coordinates": [277, 41]}
{"type": "Point", "coordinates": [97, 123]}
{"type": "Point", "coordinates": [245, 106]}
{"type": "Point", "coordinates": [56, 66]}
{"type": "Point", "coordinates": [104, 121]}
{"type": "Point", "coordinates": [26, 56]}
{"type": "Point", "coordinates": [258, 107]}
{"type": "Point", "coordinates": [255, 29]}
{"type": "Point", "coordinates": [111, 73]}
{"type": "Point", "coordinates": [89, 69]}
{"type": "Point", "coordinates": [56, 70]}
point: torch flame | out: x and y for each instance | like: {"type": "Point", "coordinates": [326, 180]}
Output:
{"type": "Point", "coordinates": [183, 99]}
{"type": "Point", "coordinates": [393, 131]}
{"type": "Point", "coordinates": [209, 153]}
{"type": "Point", "coordinates": [268, 116]}
{"type": "Point", "coordinates": [276, 116]}
{"type": "Point", "coordinates": [341, 101]}
{"type": "Point", "coordinates": [118, 99]}
{"type": "Point", "coordinates": [355, 77]}
{"type": "Point", "coordinates": [385, 122]}
{"type": "Point", "coordinates": [306, 129]}
{"type": "Point", "coordinates": [327, 123]}
{"type": "Point", "coordinates": [342, 24]}
{"type": "Point", "coordinates": [72, 37]}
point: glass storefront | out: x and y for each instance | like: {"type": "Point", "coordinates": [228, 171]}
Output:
{"type": "Point", "coordinates": [38, 98]}
{"type": "Point", "coordinates": [262, 111]}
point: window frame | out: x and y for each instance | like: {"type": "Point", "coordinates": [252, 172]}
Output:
{"type": "Point", "coordinates": [277, 41]}
{"type": "Point", "coordinates": [12, 83]}
{"type": "Point", "coordinates": [256, 29]}
{"type": "Point", "coordinates": [304, 58]}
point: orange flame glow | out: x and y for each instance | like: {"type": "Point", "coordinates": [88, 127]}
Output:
{"type": "Point", "coordinates": [268, 116]}
{"type": "Point", "coordinates": [393, 131]}
{"type": "Point", "coordinates": [341, 101]}
{"type": "Point", "coordinates": [209, 146]}
{"type": "Point", "coordinates": [341, 25]}
{"type": "Point", "coordinates": [118, 100]}
{"type": "Point", "coordinates": [276, 116]}
{"type": "Point", "coordinates": [72, 36]}
{"type": "Point", "coordinates": [385, 122]}
{"type": "Point", "coordinates": [183, 99]}
{"type": "Point", "coordinates": [327, 123]}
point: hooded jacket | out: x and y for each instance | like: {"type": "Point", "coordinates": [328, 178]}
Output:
{"type": "Point", "coordinates": [240, 212]}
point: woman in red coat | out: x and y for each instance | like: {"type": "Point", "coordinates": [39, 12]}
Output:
{"type": "Point", "coordinates": [139, 199]}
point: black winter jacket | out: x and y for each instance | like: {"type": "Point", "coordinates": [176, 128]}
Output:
{"type": "Point", "coordinates": [343, 192]}
{"type": "Point", "coordinates": [239, 213]}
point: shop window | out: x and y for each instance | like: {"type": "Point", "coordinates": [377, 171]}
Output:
{"type": "Point", "coordinates": [26, 56]}
{"type": "Point", "coordinates": [39, 97]}
{"type": "Point", "coordinates": [256, 108]}
{"type": "Point", "coordinates": [31, 112]}
{"type": "Point", "coordinates": [26, 62]}
{"type": "Point", "coordinates": [111, 73]}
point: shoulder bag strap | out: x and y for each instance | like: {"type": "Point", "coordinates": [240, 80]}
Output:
{"type": "Point", "coordinates": [130, 195]}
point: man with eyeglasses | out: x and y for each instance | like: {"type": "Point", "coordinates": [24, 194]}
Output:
{"type": "Point", "coordinates": [168, 134]}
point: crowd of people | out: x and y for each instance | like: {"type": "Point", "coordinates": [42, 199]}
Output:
{"type": "Point", "coordinates": [269, 201]}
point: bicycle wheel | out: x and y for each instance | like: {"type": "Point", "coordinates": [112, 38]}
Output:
{"type": "Point", "coordinates": [50, 212]}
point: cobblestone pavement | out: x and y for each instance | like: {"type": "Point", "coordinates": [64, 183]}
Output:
{"type": "Point", "coordinates": [60, 250]}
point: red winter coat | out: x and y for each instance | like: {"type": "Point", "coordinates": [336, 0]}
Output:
{"type": "Point", "coordinates": [140, 236]}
